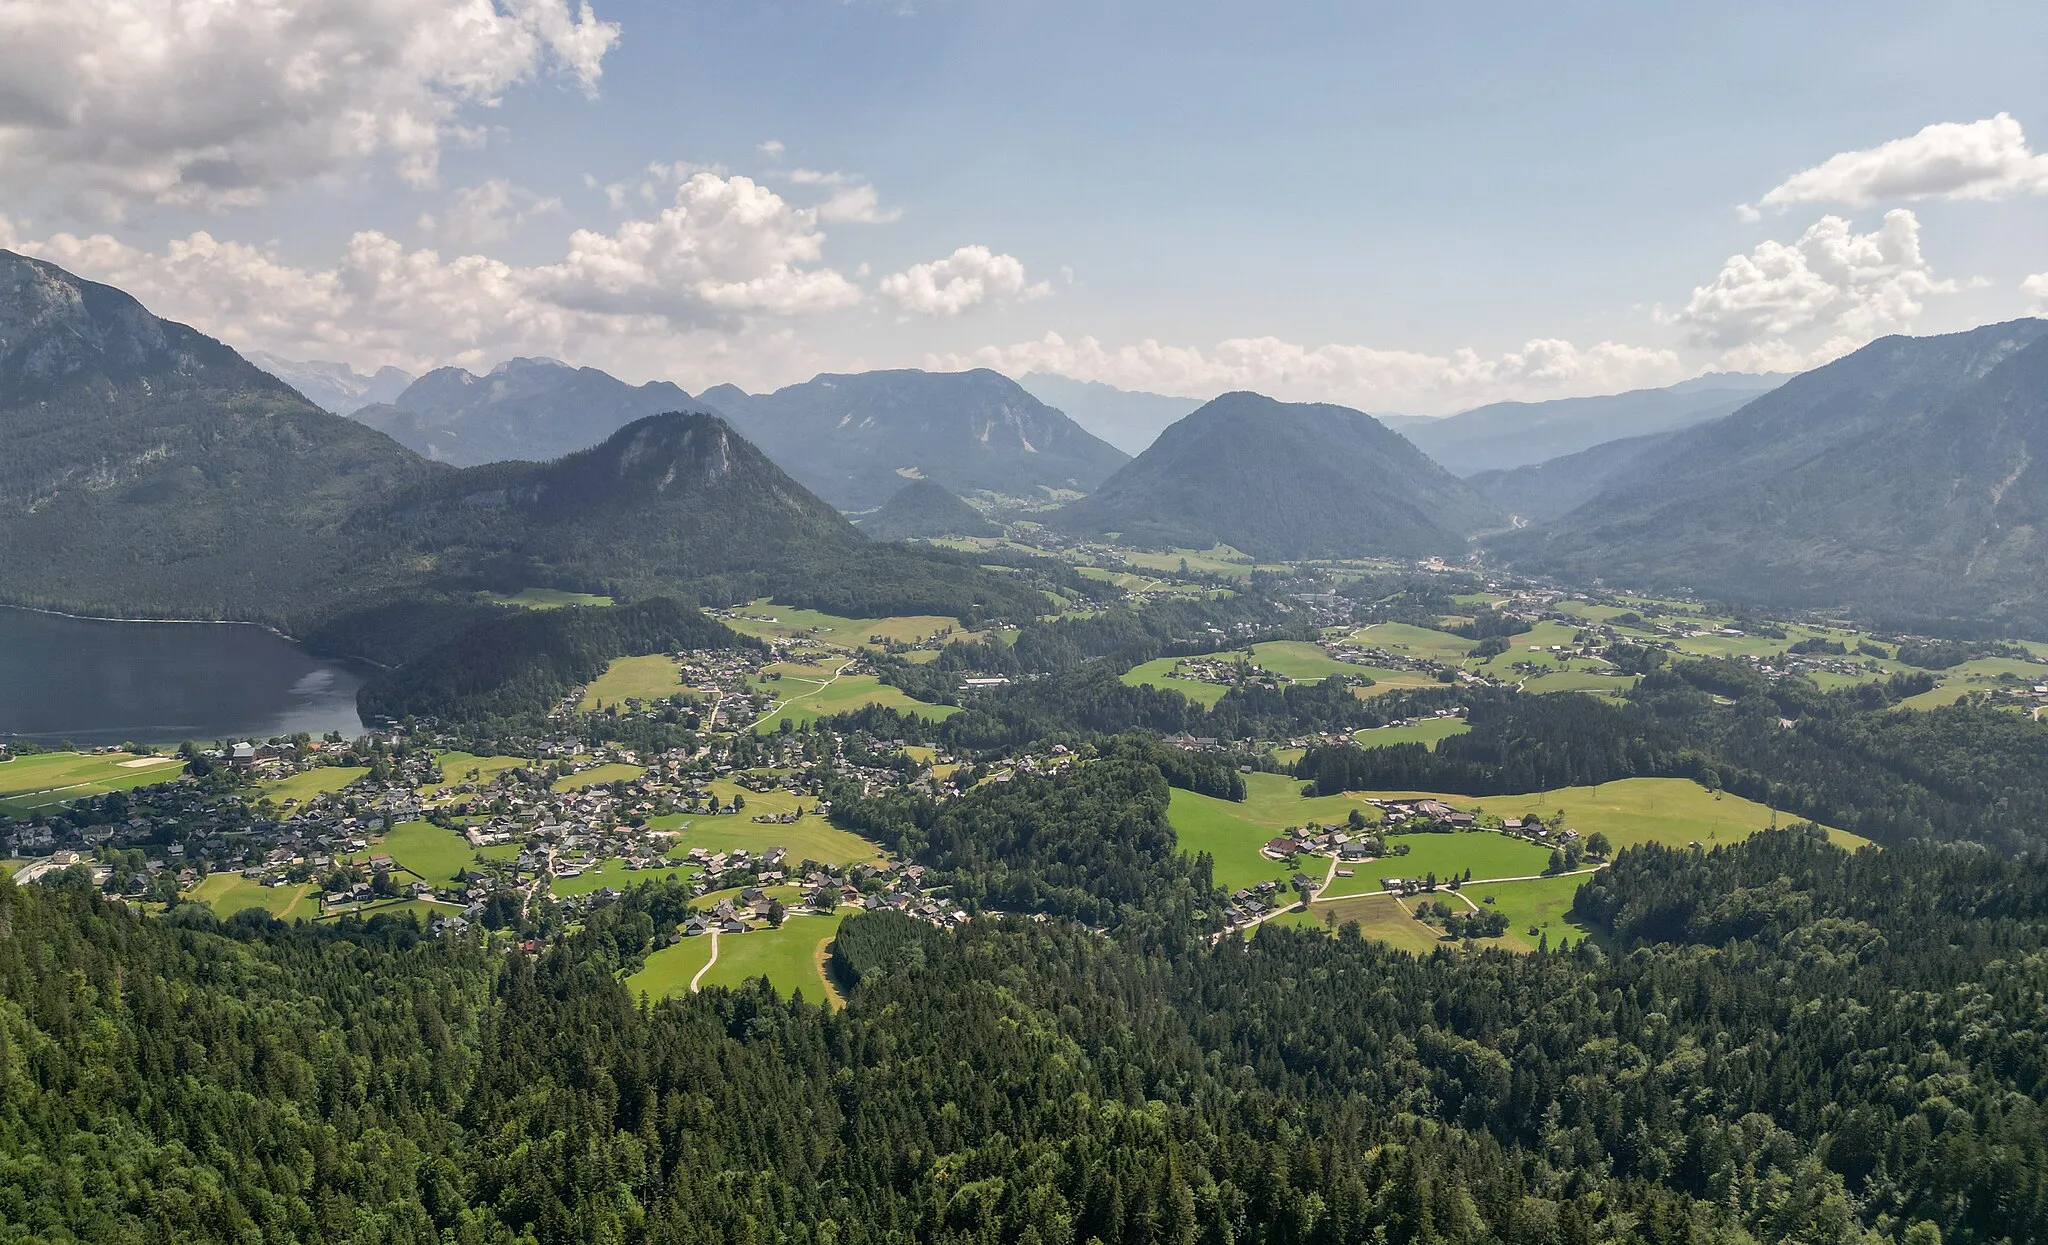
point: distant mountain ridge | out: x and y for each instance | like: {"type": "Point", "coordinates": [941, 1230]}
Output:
{"type": "Point", "coordinates": [334, 387]}
{"type": "Point", "coordinates": [856, 439]}
{"type": "Point", "coordinates": [1903, 481]}
{"type": "Point", "coordinates": [1284, 480]}
{"type": "Point", "coordinates": [528, 410]}
{"type": "Point", "coordinates": [1505, 435]}
{"type": "Point", "coordinates": [1129, 419]}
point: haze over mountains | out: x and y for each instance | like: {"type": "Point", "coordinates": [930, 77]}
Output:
{"type": "Point", "coordinates": [1128, 419]}
{"type": "Point", "coordinates": [531, 410]}
{"type": "Point", "coordinates": [335, 387]}
{"type": "Point", "coordinates": [854, 440]}
{"type": "Point", "coordinates": [1284, 480]}
{"type": "Point", "coordinates": [1903, 480]}
{"type": "Point", "coordinates": [924, 509]}
{"type": "Point", "coordinates": [1505, 435]}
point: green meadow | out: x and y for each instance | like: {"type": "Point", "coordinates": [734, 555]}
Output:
{"type": "Point", "coordinates": [652, 677]}
{"type": "Point", "coordinates": [299, 788]}
{"type": "Point", "coordinates": [598, 776]}
{"type": "Point", "coordinates": [33, 784]}
{"type": "Point", "coordinates": [1428, 731]}
{"type": "Point", "coordinates": [229, 893]}
{"type": "Point", "coordinates": [545, 598]}
{"type": "Point", "coordinates": [791, 958]}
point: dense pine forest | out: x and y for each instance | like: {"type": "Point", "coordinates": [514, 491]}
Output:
{"type": "Point", "coordinates": [1782, 1043]}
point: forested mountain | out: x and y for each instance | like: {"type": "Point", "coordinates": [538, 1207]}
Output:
{"type": "Point", "coordinates": [1128, 419]}
{"type": "Point", "coordinates": [1506, 435]}
{"type": "Point", "coordinates": [854, 440]}
{"type": "Point", "coordinates": [670, 503]}
{"type": "Point", "coordinates": [1543, 491]}
{"type": "Point", "coordinates": [1903, 481]}
{"type": "Point", "coordinates": [1284, 480]}
{"type": "Point", "coordinates": [334, 387]}
{"type": "Point", "coordinates": [147, 468]}
{"type": "Point", "coordinates": [923, 508]}
{"type": "Point", "coordinates": [528, 409]}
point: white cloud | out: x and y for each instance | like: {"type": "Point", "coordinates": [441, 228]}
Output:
{"type": "Point", "coordinates": [967, 278]}
{"type": "Point", "coordinates": [1986, 159]}
{"type": "Point", "coordinates": [1361, 376]}
{"type": "Point", "coordinates": [2036, 287]}
{"type": "Point", "coordinates": [1765, 309]}
{"type": "Point", "coordinates": [773, 149]}
{"type": "Point", "coordinates": [481, 215]}
{"type": "Point", "coordinates": [705, 288]}
{"type": "Point", "coordinates": [214, 103]}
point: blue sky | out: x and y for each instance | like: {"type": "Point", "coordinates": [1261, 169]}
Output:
{"type": "Point", "coordinates": [1398, 209]}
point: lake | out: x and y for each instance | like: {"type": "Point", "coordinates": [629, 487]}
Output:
{"type": "Point", "coordinates": [98, 682]}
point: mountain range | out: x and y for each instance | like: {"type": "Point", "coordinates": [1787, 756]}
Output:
{"type": "Point", "coordinates": [1505, 435]}
{"type": "Point", "coordinates": [1283, 480]}
{"type": "Point", "coordinates": [334, 387]}
{"type": "Point", "coordinates": [530, 410]}
{"type": "Point", "coordinates": [1902, 481]}
{"type": "Point", "coordinates": [151, 470]}
{"type": "Point", "coordinates": [1128, 419]}
{"type": "Point", "coordinates": [855, 439]}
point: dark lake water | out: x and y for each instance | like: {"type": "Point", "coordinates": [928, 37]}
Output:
{"type": "Point", "coordinates": [107, 682]}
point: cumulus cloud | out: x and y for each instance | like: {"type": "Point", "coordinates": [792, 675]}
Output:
{"type": "Point", "coordinates": [967, 278]}
{"type": "Point", "coordinates": [214, 103]}
{"type": "Point", "coordinates": [2036, 287]}
{"type": "Point", "coordinates": [481, 215]}
{"type": "Point", "coordinates": [1986, 159]}
{"type": "Point", "coordinates": [1361, 376]}
{"type": "Point", "coordinates": [719, 274]}
{"type": "Point", "coordinates": [1831, 282]}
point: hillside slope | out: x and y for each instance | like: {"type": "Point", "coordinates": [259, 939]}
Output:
{"type": "Point", "coordinates": [1506, 435]}
{"type": "Point", "coordinates": [1904, 481]}
{"type": "Point", "coordinates": [1540, 492]}
{"type": "Point", "coordinates": [1283, 480]}
{"type": "Point", "coordinates": [854, 440]}
{"type": "Point", "coordinates": [149, 469]}
{"type": "Point", "coordinates": [924, 509]}
{"type": "Point", "coordinates": [531, 410]}
{"type": "Point", "coordinates": [1129, 419]}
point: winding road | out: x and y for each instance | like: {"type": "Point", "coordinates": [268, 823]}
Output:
{"type": "Point", "coordinates": [707, 964]}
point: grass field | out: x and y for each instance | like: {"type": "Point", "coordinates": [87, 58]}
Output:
{"type": "Point", "coordinates": [1428, 731]}
{"type": "Point", "coordinates": [1673, 811]}
{"type": "Point", "coordinates": [458, 768]}
{"type": "Point", "coordinates": [422, 910]}
{"type": "Point", "coordinates": [1159, 673]}
{"type": "Point", "coordinates": [1542, 636]}
{"type": "Point", "coordinates": [598, 776]}
{"type": "Point", "coordinates": [36, 783]}
{"type": "Point", "coordinates": [1206, 824]}
{"type": "Point", "coordinates": [809, 838]}
{"type": "Point", "coordinates": [788, 623]}
{"type": "Point", "coordinates": [434, 854]}
{"type": "Point", "coordinates": [1543, 904]}
{"type": "Point", "coordinates": [667, 972]}
{"type": "Point", "coordinates": [545, 598]}
{"type": "Point", "coordinates": [787, 957]}
{"type": "Point", "coordinates": [807, 701]}
{"type": "Point", "coordinates": [1582, 677]}
{"type": "Point", "coordinates": [614, 873]}
{"type": "Point", "coordinates": [1411, 641]}
{"type": "Point", "coordinates": [1379, 917]}
{"type": "Point", "coordinates": [229, 893]}
{"type": "Point", "coordinates": [1299, 660]}
{"type": "Point", "coordinates": [303, 787]}
{"type": "Point", "coordinates": [1485, 853]}
{"type": "Point", "coordinates": [633, 678]}
{"type": "Point", "coordinates": [1221, 560]}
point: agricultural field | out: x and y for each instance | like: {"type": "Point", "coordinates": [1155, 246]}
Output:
{"type": "Point", "coordinates": [1545, 904]}
{"type": "Point", "coordinates": [1159, 673]}
{"type": "Point", "coordinates": [1542, 636]}
{"type": "Point", "coordinates": [299, 788]}
{"type": "Point", "coordinates": [811, 837]}
{"type": "Point", "coordinates": [667, 972]}
{"type": "Point", "coordinates": [458, 768]}
{"type": "Point", "coordinates": [1672, 811]}
{"type": "Point", "coordinates": [426, 850]}
{"type": "Point", "coordinates": [1428, 731]}
{"type": "Point", "coordinates": [1206, 824]}
{"type": "Point", "coordinates": [1379, 917]}
{"type": "Point", "coordinates": [652, 677]}
{"type": "Point", "coordinates": [598, 776]}
{"type": "Point", "coordinates": [1411, 641]}
{"type": "Point", "coordinates": [767, 620]}
{"type": "Point", "coordinates": [615, 874]}
{"type": "Point", "coordinates": [544, 598]}
{"type": "Point", "coordinates": [842, 694]}
{"type": "Point", "coordinates": [791, 958]}
{"type": "Point", "coordinates": [229, 893]}
{"type": "Point", "coordinates": [1584, 676]}
{"type": "Point", "coordinates": [33, 784]}
{"type": "Point", "coordinates": [1486, 853]}
{"type": "Point", "coordinates": [421, 910]}
{"type": "Point", "coordinates": [1222, 560]}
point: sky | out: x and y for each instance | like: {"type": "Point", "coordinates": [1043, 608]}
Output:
{"type": "Point", "coordinates": [1401, 208]}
